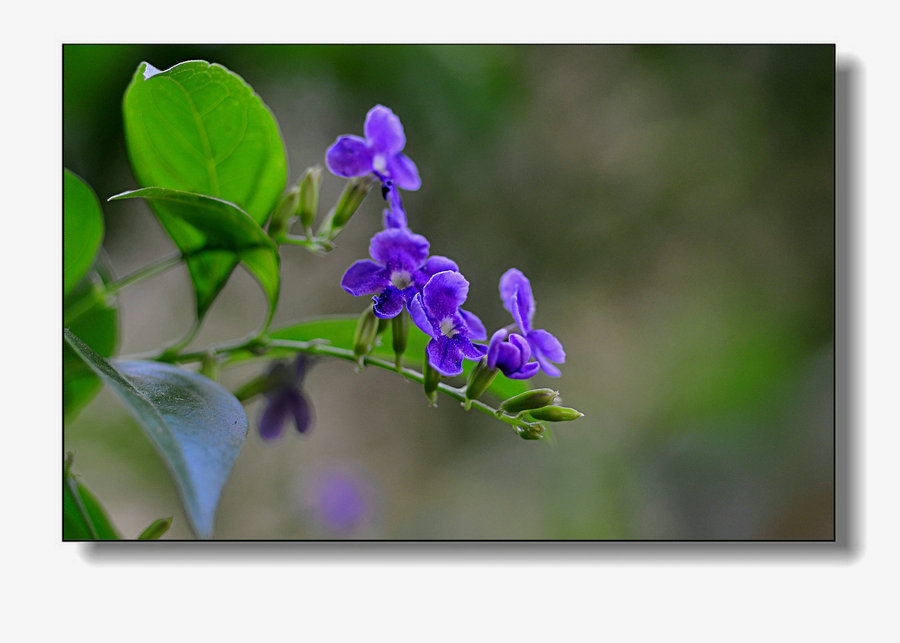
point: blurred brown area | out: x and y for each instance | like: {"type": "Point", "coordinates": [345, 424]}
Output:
{"type": "Point", "coordinates": [673, 207]}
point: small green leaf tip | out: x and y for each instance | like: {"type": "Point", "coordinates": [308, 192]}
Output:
{"type": "Point", "coordinates": [533, 399]}
{"type": "Point", "coordinates": [555, 414]}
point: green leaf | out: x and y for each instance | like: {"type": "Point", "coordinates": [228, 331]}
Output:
{"type": "Point", "coordinates": [197, 127]}
{"type": "Point", "coordinates": [88, 315]}
{"type": "Point", "coordinates": [339, 331]}
{"type": "Point", "coordinates": [83, 516]}
{"type": "Point", "coordinates": [197, 426]}
{"type": "Point", "coordinates": [82, 229]}
{"type": "Point", "coordinates": [221, 235]}
{"type": "Point", "coordinates": [156, 529]}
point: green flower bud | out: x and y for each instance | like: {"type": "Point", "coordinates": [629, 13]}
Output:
{"type": "Point", "coordinates": [309, 196]}
{"type": "Point", "coordinates": [555, 414]}
{"type": "Point", "coordinates": [533, 399]}
{"type": "Point", "coordinates": [479, 380]}
{"type": "Point", "coordinates": [531, 432]}
{"type": "Point", "coordinates": [284, 212]}
{"type": "Point", "coordinates": [432, 379]}
{"type": "Point", "coordinates": [399, 332]}
{"type": "Point", "coordinates": [349, 201]}
{"type": "Point", "coordinates": [364, 336]}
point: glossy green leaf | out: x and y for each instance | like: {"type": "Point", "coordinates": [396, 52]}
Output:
{"type": "Point", "coordinates": [84, 518]}
{"type": "Point", "coordinates": [156, 529]}
{"type": "Point", "coordinates": [197, 426]}
{"type": "Point", "coordinates": [197, 127]}
{"type": "Point", "coordinates": [82, 229]}
{"type": "Point", "coordinates": [88, 315]}
{"type": "Point", "coordinates": [221, 235]}
{"type": "Point", "coordinates": [339, 331]}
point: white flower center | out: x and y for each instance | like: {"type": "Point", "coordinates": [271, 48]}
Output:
{"type": "Point", "coordinates": [379, 163]}
{"type": "Point", "coordinates": [448, 328]}
{"type": "Point", "coordinates": [401, 279]}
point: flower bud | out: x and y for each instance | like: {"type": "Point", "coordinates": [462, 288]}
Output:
{"type": "Point", "coordinates": [533, 399]}
{"type": "Point", "coordinates": [555, 414]}
{"type": "Point", "coordinates": [284, 212]}
{"type": "Point", "coordinates": [366, 330]}
{"type": "Point", "coordinates": [479, 380]}
{"type": "Point", "coordinates": [432, 379]}
{"type": "Point", "coordinates": [309, 196]}
{"type": "Point", "coordinates": [399, 332]}
{"type": "Point", "coordinates": [531, 432]}
{"type": "Point", "coordinates": [350, 200]}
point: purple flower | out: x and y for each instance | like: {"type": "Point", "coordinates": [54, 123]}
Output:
{"type": "Point", "coordinates": [379, 152]}
{"type": "Point", "coordinates": [340, 500]}
{"type": "Point", "coordinates": [511, 356]}
{"type": "Point", "coordinates": [400, 269]}
{"type": "Point", "coordinates": [515, 291]}
{"type": "Point", "coordinates": [436, 311]}
{"type": "Point", "coordinates": [286, 400]}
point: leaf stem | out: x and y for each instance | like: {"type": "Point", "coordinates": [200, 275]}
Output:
{"type": "Point", "coordinates": [143, 273]}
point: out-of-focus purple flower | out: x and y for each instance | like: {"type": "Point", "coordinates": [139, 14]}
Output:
{"type": "Point", "coordinates": [436, 311]}
{"type": "Point", "coordinates": [380, 152]}
{"type": "Point", "coordinates": [515, 291]}
{"type": "Point", "coordinates": [400, 269]}
{"type": "Point", "coordinates": [286, 400]}
{"type": "Point", "coordinates": [511, 356]}
{"type": "Point", "coordinates": [339, 500]}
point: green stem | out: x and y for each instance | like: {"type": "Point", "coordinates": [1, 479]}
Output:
{"type": "Point", "coordinates": [319, 347]}
{"type": "Point", "coordinates": [143, 273]}
{"type": "Point", "coordinates": [458, 394]}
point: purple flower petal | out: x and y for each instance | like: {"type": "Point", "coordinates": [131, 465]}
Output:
{"type": "Point", "coordinates": [349, 156]}
{"type": "Point", "coordinates": [445, 356]}
{"type": "Point", "coordinates": [434, 265]}
{"type": "Point", "coordinates": [365, 277]}
{"type": "Point", "coordinates": [395, 215]}
{"type": "Point", "coordinates": [547, 345]}
{"type": "Point", "coordinates": [494, 345]}
{"type": "Point", "coordinates": [271, 422]}
{"type": "Point", "coordinates": [404, 172]}
{"type": "Point", "coordinates": [389, 303]}
{"type": "Point", "coordinates": [522, 345]}
{"type": "Point", "coordinates": [444, 293]}
{"type": "Point", "coordinates": [419, 317]}
{"type": "Point", "coordinates": [399, 249]}
{"type": "Point", "coordinates": [468, 349]}
{"type": "Point", "coordinates": [515, 291]}
{"type": "Point", "coordinates": [384, 132]}
{"type": "Point", "coordinates": [393, 219]}
{"type": "Point", "coordinates": [300, 409]}
{"type": "Point", "coordinates": [476, 328]}
{"type": "Point", "coordinates": [526, 372]}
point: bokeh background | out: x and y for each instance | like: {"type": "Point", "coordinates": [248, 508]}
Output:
{"type": "Point", "coordinates": [673, 207]}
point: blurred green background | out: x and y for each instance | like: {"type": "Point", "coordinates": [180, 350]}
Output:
{"type": "Point", "coordinates": [673, 207]}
